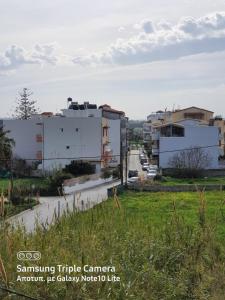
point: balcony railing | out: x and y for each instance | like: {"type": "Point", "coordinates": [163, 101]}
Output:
{"type": "Point", "coordinates": [39, 155]}
{"type": "Point", "coordinates": [39, 138]}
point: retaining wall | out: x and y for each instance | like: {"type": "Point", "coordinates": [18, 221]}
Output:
{"type": "Point", "coordinates": [176, 188]}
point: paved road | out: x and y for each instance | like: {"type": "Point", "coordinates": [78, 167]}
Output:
{"type": "Point", "coordinates": [134, 162]}
{"type": "Point", "coordinates": [49, 207]}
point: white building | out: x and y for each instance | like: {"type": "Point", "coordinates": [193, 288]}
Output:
{"type": "Point", "coordinates": [169, 139]}
{"type": "Point", "coordinates": [81, 132]}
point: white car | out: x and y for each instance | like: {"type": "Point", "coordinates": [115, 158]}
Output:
{"type": "Point", "coordinates": [151, 174]}
{"type": "Point", "coordinates": [132, 179]}
{"type": "Point", "coordinates": [145, 166]}
{"type": "Point", "coordinates": [152, 167]}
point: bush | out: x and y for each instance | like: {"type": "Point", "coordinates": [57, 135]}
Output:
{"type": "Point", "coordinates": [106, 173]}
{"type": "Point", "coordinates": [78, 168]}
{"type": "Point", "coordinates": [159, 178]}
{"type": "Point", "coordinates": [21, 168]}
{"type": "Point", "coordinates": [56, 180]}
{"type": "Point", "coordinates": [116, 173]}
{"type": "Point", "coordinates": [190, 163]}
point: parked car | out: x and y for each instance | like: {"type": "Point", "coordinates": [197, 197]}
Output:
{"type": "Point", "coordinates": [145, 166]}
{"type": "Point", "coordinates": [141, 155]}
{"type": "Point", "coordinates": [151, 174]}
{"type": "Point", "coordinates": [152, 167]}
{"type": "Point", "coordinates": [133, 173]}
{"type": "Point", "coordinates": [132, 180]}
{"type": "Point", "coordinates": [144, 160]}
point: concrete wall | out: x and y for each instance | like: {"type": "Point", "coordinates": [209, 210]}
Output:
{"type": "Point", "coordinates": [71, 138]}
{"type": "Point", "coordinates": [205, 173]}
{"type": "Point", "coordinates": [24, 134]}
{"type": "Point", "coordinates": [195, 136]}
{"type": "Point", "coordinates": [177, 188]}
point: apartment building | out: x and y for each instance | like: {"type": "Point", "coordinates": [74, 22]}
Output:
{"type": "Point", "coordinates": [171, 138]}
{"type": "Point", "coordinates": [80, 132]}
{"type": "Point", "coordinates": [165, 131]}
{"type": "Point", "coordinates": [220, 123]}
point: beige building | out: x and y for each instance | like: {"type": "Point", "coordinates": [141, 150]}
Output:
{"type": "Point", "coordinates": [192, 112]}
{"type": "Point", "coordinates": [220, 123]}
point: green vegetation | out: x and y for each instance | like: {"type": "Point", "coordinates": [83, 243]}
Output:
{"type": "Point", "coordinates": [23, 182]}
{"type": "Point", "coordinates": [11, 210]}
{"type": "Point", "coordinates": [79, 168]}
{"type": "Point", "coordinates": [206, 180]}
{"type": "Point", "coordinates": [168, 246]}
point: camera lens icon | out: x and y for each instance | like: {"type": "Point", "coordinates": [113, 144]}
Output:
{"type": "Point", "coordinates": [29, 255]}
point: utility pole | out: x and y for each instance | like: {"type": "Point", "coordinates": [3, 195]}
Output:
{"type": "Point", "coordinates": [121, 160]}
{"type": "Point", "coordinates": [11, 178]}
{"type": "Point", "coordinates": [126, 160]}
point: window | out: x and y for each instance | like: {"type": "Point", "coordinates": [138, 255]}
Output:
{"type": "Point", "coordinates": [77, 129]}
{"type": "Point", "coordinates": [172, 131]}
{"type": "Point", "coordinates": [67, 147]}
{"type": "Point", "coordinates": [197, 115]}
{"type": "Point", "coordinates": [61, 129]}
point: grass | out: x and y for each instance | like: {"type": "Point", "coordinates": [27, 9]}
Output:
{"type": "Point", "coordinates": [206, 180]}
{"type": "Point", "coordinates": [23, 182]}
{"type": "Point", "coordinates": [168, 246]}
{"type": "Point", "coordinates": [11, 210]}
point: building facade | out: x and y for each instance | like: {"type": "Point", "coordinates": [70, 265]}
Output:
{"type": "Point", "coordinates": [164, 132]}
{"type": "Point", "coordinates": [81, 132]}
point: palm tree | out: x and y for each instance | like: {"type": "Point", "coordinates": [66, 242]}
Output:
{"type": "Point", "coordinates": [6, 145]}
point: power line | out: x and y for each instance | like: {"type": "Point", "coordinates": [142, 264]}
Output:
{"type": "Point", "coordinates": [113, 155]}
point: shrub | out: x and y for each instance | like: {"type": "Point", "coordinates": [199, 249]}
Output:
{"type": "Point", "coordinates": [116, 173]}
{"type": "Point", "coordinates": [56, 180]}
{"type": "Point", "coordinates": [106, 173]}
{"type": "Point", "coordinates": [78, 168]}
{"type": "Point", "coordinates": [190, 163]}
{"type": "Point", "coordinates": [159, 178]}
{"type": "Point", "coordinates": [21, 168]}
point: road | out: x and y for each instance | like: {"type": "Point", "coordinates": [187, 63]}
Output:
{"type": "Point", "coordinates": [134, 162]}
{"type": "Point", "coordinates": [50, 207]}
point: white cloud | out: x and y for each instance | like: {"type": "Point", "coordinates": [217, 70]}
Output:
{"type": "Point", "coordinates": [121, 29]}
{"type": "Point", "coordinates": [164, 42]}
{"type": "Point", "coordinates": [145, 26]}
{"type": "Point", "coordinates": [16, 56]}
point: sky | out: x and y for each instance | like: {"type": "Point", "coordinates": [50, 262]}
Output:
{"type": "Point", "coordinates": [138, 56]}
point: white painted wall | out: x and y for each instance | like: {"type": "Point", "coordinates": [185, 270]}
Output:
{"type": "Point", "coordinates": [194, 136]}
{"type": "Point", "coordinates": [24, 134]}
{"type": "Point", "coordinates": [81, 135]}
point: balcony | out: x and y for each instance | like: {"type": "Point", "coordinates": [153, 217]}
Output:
{"type": "Point", "coordinates": [39, 155]}
{"type": "Point", "coordinates": [39, 138]}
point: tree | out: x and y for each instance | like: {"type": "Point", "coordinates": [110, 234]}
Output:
{"type": "Point", "coordinates": [190, 163]}
{"type": "Point", "coordinates": [25, 107]}
{"type": "Point", "coordinates": [6, 145]}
